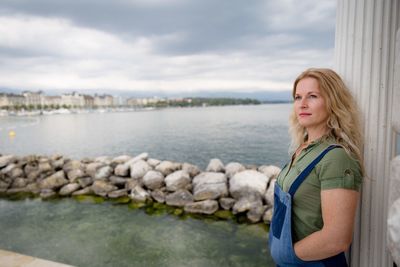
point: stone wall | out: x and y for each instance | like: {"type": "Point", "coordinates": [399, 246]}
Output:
{"type": "Point", "coordinates": [232, 187]}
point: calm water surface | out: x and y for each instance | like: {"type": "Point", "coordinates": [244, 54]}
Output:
{"type": "Point", "coordinates": [247, 134]}
{"type": "Point", "coordinates": [85, 234]}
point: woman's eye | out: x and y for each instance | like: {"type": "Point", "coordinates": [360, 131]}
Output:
{"type": "Point", "coordinates": [297, 97]}
{"type": "Point", "coordinates": [312, 96]}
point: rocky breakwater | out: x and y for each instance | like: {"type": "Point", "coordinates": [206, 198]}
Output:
{"type": "Point", "coordinates": [233, 188]}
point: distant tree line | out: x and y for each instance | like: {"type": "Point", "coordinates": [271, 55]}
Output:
{"type": "Point", "coordinates": [35, 107]}
{"type": "Point", "coordinates": [204, 101]}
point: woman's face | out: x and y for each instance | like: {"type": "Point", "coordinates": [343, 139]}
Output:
{"type": "Point", "coordinates": [310, 106]}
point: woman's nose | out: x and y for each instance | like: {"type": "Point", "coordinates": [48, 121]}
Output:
{"type": "Point", "coordinates": [303, 102]}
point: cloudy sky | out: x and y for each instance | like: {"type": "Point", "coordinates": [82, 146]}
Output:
{"type": "Point", "coordinates": [163, 45]}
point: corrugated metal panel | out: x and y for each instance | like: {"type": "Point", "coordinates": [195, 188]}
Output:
{"type": "Point", "coordinates": [364, 56]}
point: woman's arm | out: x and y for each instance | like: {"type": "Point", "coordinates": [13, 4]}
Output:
{"type": "Point", "coordinates": [338, 213]}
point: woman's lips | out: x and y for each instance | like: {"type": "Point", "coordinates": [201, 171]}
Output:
{"type": "Point", "coordinates": [304, 114]}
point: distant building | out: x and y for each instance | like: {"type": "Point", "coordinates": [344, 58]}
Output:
{"type": "Point", "coordinates": [118, 101]}
{"type": "Point", "coordinates": [52, 101]}
{"type": "Point", "coordinates": [34, 99]}
{"type": "Point", "coordinates": [4, 102]}
{"type": "Point", "coordinates": [89, 101]}
{"type": "Point", "coordinates": [103, 100]}
{"type": "Point", "coordinates": [73, 100]}
{"type": "Point", "coordinates": [144, 101]}
{"type": "Point", "coordinates": [11, 100]}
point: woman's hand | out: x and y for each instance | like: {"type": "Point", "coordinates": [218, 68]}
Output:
{"type": "Point", "coordinates": [338, 213]}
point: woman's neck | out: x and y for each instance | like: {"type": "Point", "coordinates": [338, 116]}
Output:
{"type": "Point", "coordinates": [315, 134]}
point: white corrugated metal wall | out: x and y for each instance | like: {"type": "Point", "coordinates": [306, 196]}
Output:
{"type": "Point", "coordinates": [365, 57]}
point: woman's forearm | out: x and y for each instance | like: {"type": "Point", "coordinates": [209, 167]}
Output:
{"type": "Point", "coordinates": [319, 245]}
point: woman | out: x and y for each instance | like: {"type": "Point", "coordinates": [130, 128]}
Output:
{"type": "Point", "coordinates": [316, 194]}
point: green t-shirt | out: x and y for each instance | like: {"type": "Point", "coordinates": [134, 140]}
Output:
{"type": "Point", "coordinates": [335, 170]}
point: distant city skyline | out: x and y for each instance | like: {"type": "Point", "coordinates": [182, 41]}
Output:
{"type": "Point", "coordinates": [176, 47]}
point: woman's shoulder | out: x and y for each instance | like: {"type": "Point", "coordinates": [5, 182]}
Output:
{"type": "Point", "coordinates": [339, 169]}
{"type": "Point", "coordinates": [338, 154]}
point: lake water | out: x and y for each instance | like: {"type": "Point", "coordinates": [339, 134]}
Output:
{"type": "Point", "coordinates": [247, 134]}
{"type": "Point", "coordinates": [87, 234]}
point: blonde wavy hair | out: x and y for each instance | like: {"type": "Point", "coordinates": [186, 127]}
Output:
{"type": "Point", "coordinates": [344, 117]}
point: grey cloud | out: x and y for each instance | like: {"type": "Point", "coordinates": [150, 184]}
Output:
{"type": "Point", "coordinates": [173, 43]}
{"type": "Point", "coordinates": [205, 25]}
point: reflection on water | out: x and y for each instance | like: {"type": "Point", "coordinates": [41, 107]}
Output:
{"type": "Point", "coordinates": [84, 234]}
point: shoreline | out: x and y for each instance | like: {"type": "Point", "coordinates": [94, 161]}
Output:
{"type": "Point", "coordinates": [231, 191]}
{"type": "Point", "coordinates": [34, 113]}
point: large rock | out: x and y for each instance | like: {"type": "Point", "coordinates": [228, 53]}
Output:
{"type": "Point", "coordinates": [19, 183]}
{"type": "Point", "coordinates": [33, 188]}
{"type": "Point", "coordinates": [270, 171]}
{"type": "Point", "coordinates": [6, 160]}
{"type": "Point", "coordinates": [153, 180]}
{"type": "Point", "coordinates": [57, 164]}
{"type": "Point", "coordinates": [4, 185]}
{"type": "Point", "coordinates": [33, 175]}
{"type": "Point", "coordinates": [232, 168]}
{"type": "Point", "coordinates": [85, 181]}
{"type": "Point", "coordinates": [226, 202]}
{"type": "Point", "coordinates": [54, 181]}
{"type": "Point", "coordinates": [122, 170]}
{"type": "Point", "coordinates": [118, 181]}
{"type": "Point", "coordinates": [8, 169]}
{"type": "Point", "coordinates": [74, 174]}
{"type": "Point", "coordinates": [143, 156]}
{"type": "Point", "coordinates": [158, 196]}
{"type": "Point", "coordinates": [178, 180]}
{"type": "Point", "coordinates": [91, 168]}
{"type": "Point", "coordinates": [139, 194]}
{"type": "Point", "coordinates": [215, 165]}
{"type": "Point", "coordinates": [68, 189]}
{"type": "Point", "coordinates": [72, 165]}
{"type": "Point", "coordinates": [56, 157]}
{"type": "Point", "coordinates": [44, 165]}
{"type": "Point", "coordinates": [118, 193]}
{"type": "Point", "coordinates": [139, 169]}
{"type": "Point", "coordinates": [121, 159]}
{"type": "Point", "coordinates": [15, 173]}
{"type": "Point", "coordinates": [255, 213]}
{"type": "Point", "coordinates": [193, 170]}
{"type": "Point", "coordinates": [103, 159]}
{"type": "Point", "coordinates": [31, 167]}
{"type": "Point", "coordinates": [153, 162]}
{"type": "Point", "coordinates": [203, 207]}
{"type": "Point", "coordinates": [246, 203]}
{"type": "Point", "coordinates": [102, 188]}
{"type": "Point", "coordinates": [269, 194]}
{"type": "Point", "coordinates": [131, 183]}
{"type": "Point", "coordinates": [84, 191]}
{"type": "Point", "coordinates": [209, 185]}
{"type": "Point", "coordinates": [179, 198]}
{"type": "Point", "coordinates": [248, 182]}
{"type": "Point", "coordinates": [103, 173]}
{"type": "Point", "coordinates": [168, 167]}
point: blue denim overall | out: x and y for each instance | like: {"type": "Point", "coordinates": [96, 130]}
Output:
{"type": "Point", "coordinates": [280, 235]}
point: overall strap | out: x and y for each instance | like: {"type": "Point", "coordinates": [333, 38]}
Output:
{"type": "Point", "coordinates": [303, 175]}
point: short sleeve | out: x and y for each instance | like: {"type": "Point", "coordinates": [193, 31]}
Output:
{"type": "Point", "coordinates": [338, 170]}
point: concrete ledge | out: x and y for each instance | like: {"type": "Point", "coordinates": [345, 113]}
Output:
{"type": "Point", "coordinates": [12, 259]}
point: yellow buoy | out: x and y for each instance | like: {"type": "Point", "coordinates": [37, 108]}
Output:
{"type": "Point", "coordinates": [11, 133]}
